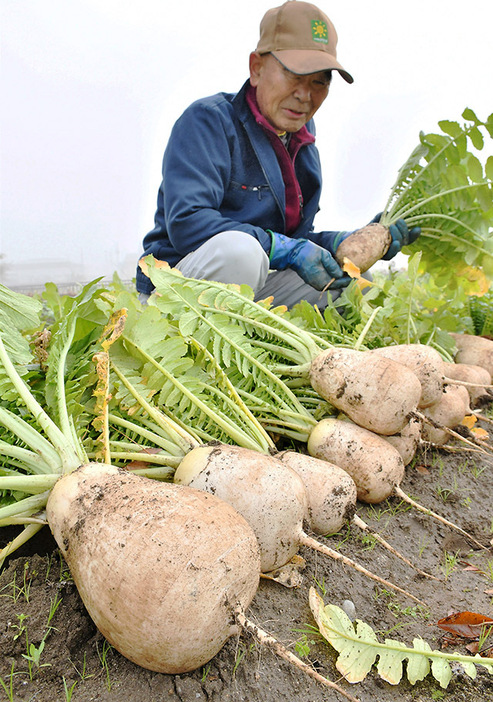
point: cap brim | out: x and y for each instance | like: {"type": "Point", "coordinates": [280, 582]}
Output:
{"type": "Point", "coordinates": [307, 61]}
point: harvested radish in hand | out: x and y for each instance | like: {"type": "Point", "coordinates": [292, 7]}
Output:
{"type": "Point", "coordinates": [375, 392]}
{"type": "Point", "coordinates": [365, 246]}
{"type": "Point", "coordinates": [160, 568]}
{"type": "Point", "coordinates": [331, 492]}
{"type": "Point", "coordinates": [375, 466]}
{"type": "Point", "coordinates": [425, 362]}
{"type": "Point", "coordinates": [474, 350]}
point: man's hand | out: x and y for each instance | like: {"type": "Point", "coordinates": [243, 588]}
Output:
{"type": "Point", "coordinates": [314, 264]}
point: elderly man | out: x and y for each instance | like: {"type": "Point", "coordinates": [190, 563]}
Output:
{"type": "Point", "coordinates": [241, 172]}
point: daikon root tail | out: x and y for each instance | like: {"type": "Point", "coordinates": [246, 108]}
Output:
{"type": "Point", "coordinates": [482, 447]}
{"type": "Point", "coordinates": [362, 525]}
{"type": "Point", "coordinates": [277, 647]}
{"type": "Point", "coordinates": [400, 493]}
{"type": "Point", "coordinates": [466, 383]}
{"type": "Point", "coordinates": [322, 548]}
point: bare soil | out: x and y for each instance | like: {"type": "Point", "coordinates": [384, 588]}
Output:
{"type": "Point", "coordinates": [77, 661]}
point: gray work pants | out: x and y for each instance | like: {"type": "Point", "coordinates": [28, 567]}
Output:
{"type": "Point", "coordinates": [237, 257]}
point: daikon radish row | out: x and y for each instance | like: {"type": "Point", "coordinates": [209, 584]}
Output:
{"type": "Point", "coordinates": [166, 572]}
{"type": "Point", "coordinates": [478, 380]}
{"type": "Point", "coordinates": [375, 392]}
{"type": "Point", "coordinates": [375, 466]}
{"type": "Point", "coordinates": [160, 568]}
{"type": "Point", "coordinates": [269, 494]}
{"type": "Point", "coordinates": [474, 350]}
{"type": "Point", "coordinates": [425, 362]}
{"type": "Point", "coordinates": [331, 494]}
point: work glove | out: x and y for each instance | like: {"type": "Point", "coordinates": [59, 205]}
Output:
{"type": "Point", "coordinates": [314, 265]}
{"type": "Point", "coordinates": [401, 236]}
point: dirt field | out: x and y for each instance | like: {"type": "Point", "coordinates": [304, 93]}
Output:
{"type": "Point", "coordinates": [76, 663]}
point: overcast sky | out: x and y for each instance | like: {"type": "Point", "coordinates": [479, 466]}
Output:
{"type": "Point", "coordinates": [91, 89]}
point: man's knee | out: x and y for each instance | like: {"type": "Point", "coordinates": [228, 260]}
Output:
{"type": "Point", "coordinates": [229, 257]}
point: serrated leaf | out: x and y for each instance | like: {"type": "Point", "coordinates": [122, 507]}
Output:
{"type": "Point", "coordinates": [188, 323]}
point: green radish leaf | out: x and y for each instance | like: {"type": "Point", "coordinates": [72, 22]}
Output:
{"type": "Point", "coordinates": [470, 115]}
{"type": "Point", "coordinates": [476, 138]}
{"type": "Point", "coordinates": [453, 129]}
{"type": "Point", "coordinates": [441, 670]}
{"type": "Point", "coordinates": [418, 666]}
{"type": "Point", "coordinates": [447, 194]}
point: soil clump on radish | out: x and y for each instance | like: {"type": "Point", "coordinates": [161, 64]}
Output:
{"type": "Point", "coordinates": [456, 485]}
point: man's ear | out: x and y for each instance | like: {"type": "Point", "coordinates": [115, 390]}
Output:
{"type": "Point", "coordinates": [255, 63]}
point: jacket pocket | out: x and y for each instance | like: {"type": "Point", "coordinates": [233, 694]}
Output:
{"type": "Point", "coordinates": [260, 189]}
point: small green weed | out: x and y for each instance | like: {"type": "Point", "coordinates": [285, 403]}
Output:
{"type": "Point", "coordinates": [302, 647]}
{"type": "Point", "coordinates": [103, 659]}
{"type": "Point", "coordinates": [21, 627]}
{"type": "Point", "coordinates": [33, 657]}
{"type": "Point", "coordinates": [83, 673]}
{"type": "Point", "coordinates": [69, 691]}
{"type": "Point", "coordinates": [369, 541]}
{"type": "Point", "coordinates": [241, 652]}
{"type": "Point", "coordinates": [449, 563]}
{"type": "Point", "coordinates": [22, 590]}
{"type": "Point", "coordinates": [205, 672]}
{"type": "Point", "coordinates": [321, 586]}
{"type": "Point", "coordinates": [484, 634]}
{"type": "Point", "coordinates": [423, 545]}
{"type": "Point", "coordinates": [8, 685]}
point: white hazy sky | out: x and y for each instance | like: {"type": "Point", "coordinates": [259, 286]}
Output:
{"type": "Point", "coordinates": [91, 89]}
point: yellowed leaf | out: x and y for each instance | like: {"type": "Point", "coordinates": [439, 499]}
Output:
{"type": "Point", "coordinates": [478, 283]}
{"type": "Point", "coordinates": [354, 272]}
{"type": "Point", "coordinates": [469, 421]}
{"type": "Point", "coordinates": [480, 433]}
{"type": "Point", "coordinates": [350, 268]}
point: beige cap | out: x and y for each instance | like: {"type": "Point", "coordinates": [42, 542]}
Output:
{"type": "Point", "coordinates": [302, 37]}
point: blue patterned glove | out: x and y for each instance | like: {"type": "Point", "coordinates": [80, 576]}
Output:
{"type": "Point", "coordinates": [313, 264]}
{"type": "Point", "coordinates": [401, 236]}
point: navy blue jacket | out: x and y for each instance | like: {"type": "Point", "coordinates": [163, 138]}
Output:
{"type": "Point", "coordinates": [220, 172]}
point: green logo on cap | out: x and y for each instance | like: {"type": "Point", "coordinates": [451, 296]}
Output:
{"type": "Point", "coordinates": [319, 32]}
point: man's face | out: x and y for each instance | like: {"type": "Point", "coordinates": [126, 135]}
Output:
{"type": "Point", "coordinates": [285, 99]}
